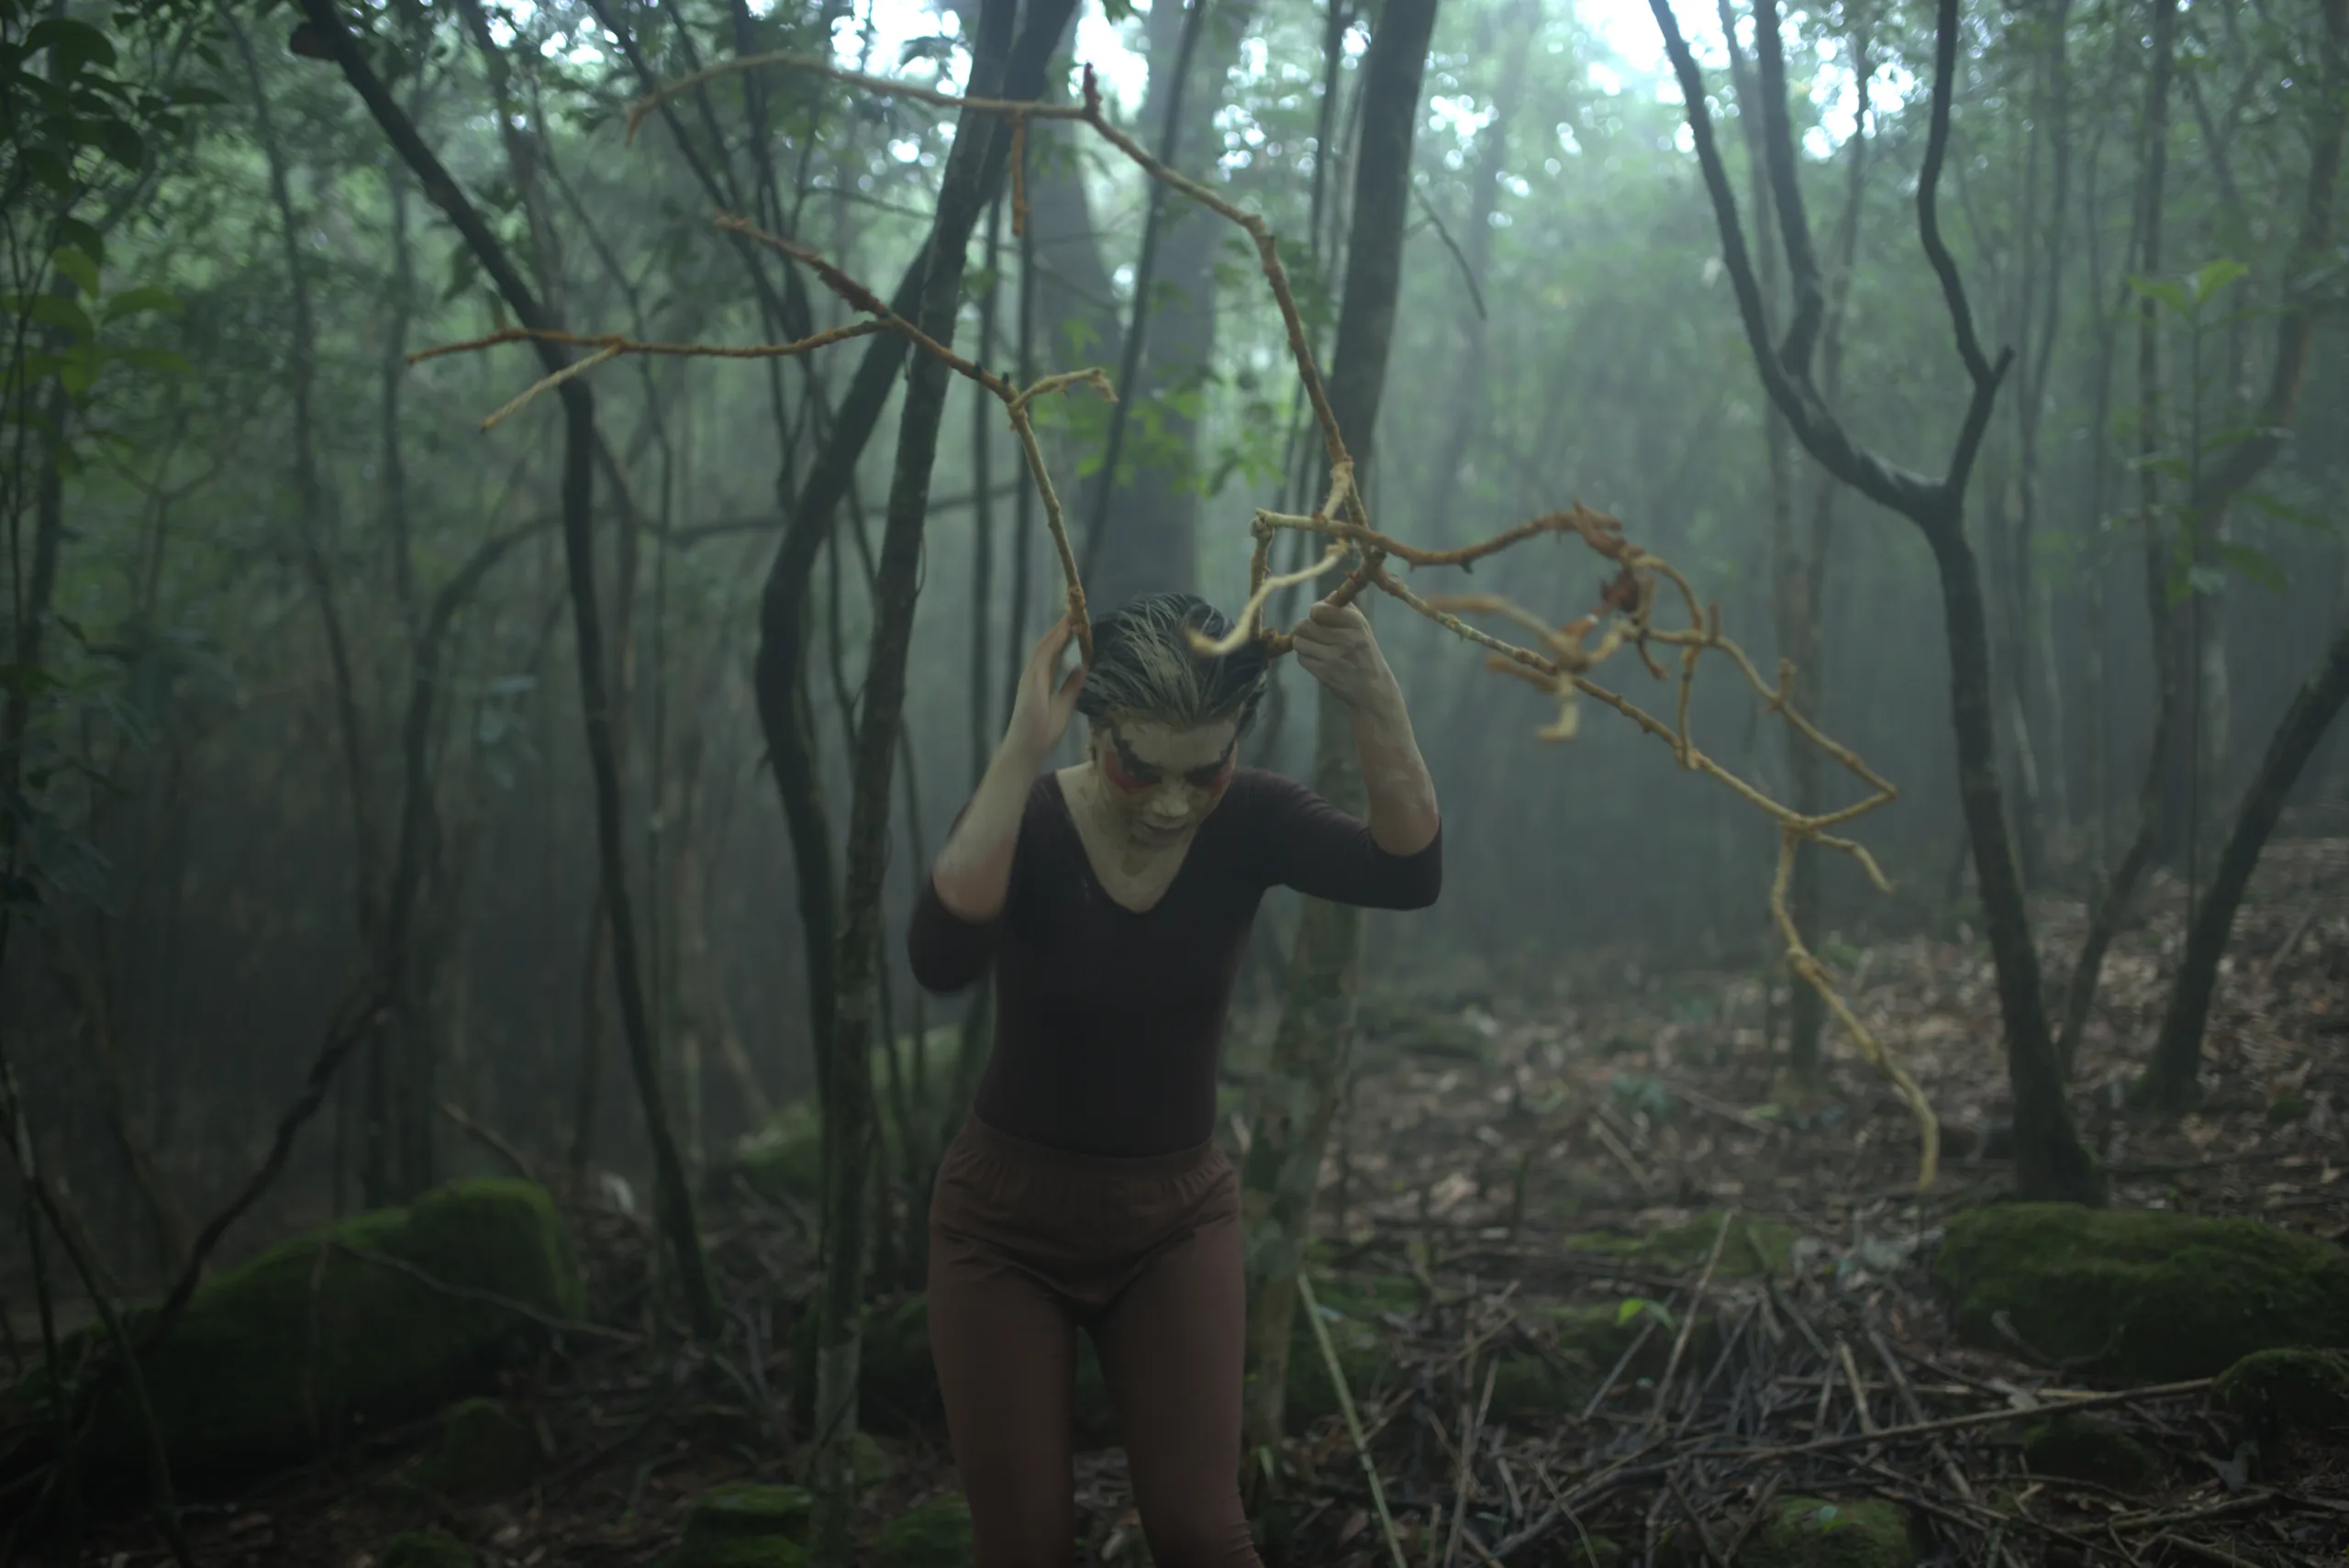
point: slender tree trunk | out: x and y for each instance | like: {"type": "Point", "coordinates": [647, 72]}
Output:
{"type": "Point", "coordinates": [1512, 32]}
{"type": "Point", "coordinates": [2050, 1161]}
{"type": "Point", "coordinates": [378, 1182]}
{"type": "Point", "coordinates": [2171, 1082]}
{"type": "Point", "coordinates": [86, 984]}
{"type": "Point", "coordinates": [675, 1195]}
{"type": "Point", "coordinates": [1298, 1096]}
{"type": "Point", "coordinates": [786, 716]}
{"type": "Point", "coordinates": [849, 1126]}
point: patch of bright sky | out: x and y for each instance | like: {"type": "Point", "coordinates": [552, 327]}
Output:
{"type": "Point", "coordinates": [1624, 28]}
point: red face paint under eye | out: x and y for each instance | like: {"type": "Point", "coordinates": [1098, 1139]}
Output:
{"type": "Point", "coordinates": [1113, 768]}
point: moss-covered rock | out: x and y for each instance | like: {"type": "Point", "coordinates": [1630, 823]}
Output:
{"type": "Point", "coordinates": [746, 1526]}
{"type": "Point", "coordinates": [379, 1318]}
{"type": "Point", "coordinates": [2081, 1448]}
{"type": "Point", "coordinates": [2140, 1294]}
{"type": "Point", "coordinates": [2280, 1391]}
{"type": "Point", "coordinates": [428, 1548]}
{"type": "Point", "coordinates": [484, 1449]}
{"type": "Point", "coordinates": [1808, 1533]}
{"type": "Point", "coordinates": [1755, 1247]}
{"type": "Point", "coordinates": [784, 1158]}
{"type": "Point", "coordinates": [935, 1534]}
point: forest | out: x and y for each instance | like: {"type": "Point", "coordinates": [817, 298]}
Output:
{"type": "Point", "coordinates": [528, 520]}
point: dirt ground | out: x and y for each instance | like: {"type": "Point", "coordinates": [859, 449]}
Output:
{"type": "Point", "coordinates": [1492, 1122]}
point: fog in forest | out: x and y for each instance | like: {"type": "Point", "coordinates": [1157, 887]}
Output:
{"type": "Point", "coordinates": [485, 692]}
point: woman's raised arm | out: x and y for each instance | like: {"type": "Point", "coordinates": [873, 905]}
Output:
{"type": "Point", "coordinates": [1334, 645]}
{"type": "Point", "coordinates": [973, 872]}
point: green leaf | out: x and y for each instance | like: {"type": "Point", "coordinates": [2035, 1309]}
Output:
{"type": "Point", "coordinates": [49, 170]}
{"type": "Point", "coordinates": [2255, 564]}
{"type": "Point", "coordinates": [2212, 276]}
{"type": "Point", "coordinates": [1627, 1309]}
{"type": "Point", "coordinates": [131, 302]}
{"type": "Point", "coordinates": [73, 44]}
{"type": "Point", "coordinates": [76, 266]}
{"type": "Point", "coordinates": [2284, 511]}
{"type": "Point", "coordinates": [165, 361]}
{"type": "Point", "coordinates": [77, 369]}
{"type": "Point", "coordinates": [84, 238]}
{"type": "Point", "coordinates": [122, 142]}
{"type": "Point", "coordinates": [56, 310]}
{"type": "Point", "coordinates": [1117, 10]}
{"type": "Point", "coordinates": [2161, 292]}
{"type": "Point", "coordinates": [2205, 580]}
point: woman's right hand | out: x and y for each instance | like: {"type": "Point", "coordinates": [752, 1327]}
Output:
{"type": "Point", "coordinates": [1039, 714]}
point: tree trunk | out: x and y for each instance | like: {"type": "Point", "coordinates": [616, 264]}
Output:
{"type": "Point", "coordinates": [849, 1123]}
{"type": "Point", "coordinates": [378, 1182]}
{"type": "Point", "coordinates": [2050, 1161]}
{"type": "Point", "coordinates": [1303, 1083]}
{"type": "Point", "coordinates": [675, 1195]}
{"type": "Point", "coordinates": [2171, 1082]}
{"type": "Point", "coordinates": [785, 719]}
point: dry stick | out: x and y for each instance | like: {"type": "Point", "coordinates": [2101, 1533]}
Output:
{"type": "Point", "coordinates": [1470, 1426]}
{"type": "Point", "coordinates": [1859, 1388]}
{"type": "Point", "coordinates": [1688, 1319]}
{"type": "Point", "coordinates": [1599, 1396]}
{"type": "Point", "coordinates": [484, 1298]}
{"type": "Point", "coordinates": [1353, 1420]}
{"type": "Point", "coordinates": [1623, 1156]}
{"type": "Point", "coordinates": [1688, 1512]}
{"type": "Point", "coordinates": [1978, 1418]}
{"type": "Point", "coordinates": [361, 1011]}
{"type": "Point", "coordinates": [1754, 1521]}
{"type": "Point", "coordinates": [1347, 518]}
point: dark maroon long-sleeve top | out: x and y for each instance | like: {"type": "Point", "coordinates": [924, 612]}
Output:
{"type": "Point", "coordinates": [1109, 1025]}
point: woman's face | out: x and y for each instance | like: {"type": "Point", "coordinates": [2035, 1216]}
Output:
{"type": "Point", "coordinates": [1163, 780]}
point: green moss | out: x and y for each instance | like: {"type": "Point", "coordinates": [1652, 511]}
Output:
{"type": "Point", "coordinates": [1584, 1344]}
{"type": "Point", "coordinates": [786, 1157]}
{"type": "Point", "coordinates": [484, 1449]}
{"type": "Point", "coordinates": [428, 1548]}
{"type": "Point", "coordinates": [2080, 1448]}
{"type": "Point", "coordinates": [285, 1352]}
{"type": "Point", "coordinates": [1807, 1532]}
{"type": "Point", "coordinates": [2139, 1295]}
{"type": "Point", "coordinates": [1755, 1246]}
{"type": "Point", "coordinates": [935, 1534]}
{"type": "Point", "coordinates": [746, 1526]}
{"type": "Point", "coordinates": [2289, 1106]}
{"type": "Point", "coordinates": [2280, 1391]}
{"type": "Point", "coordinates": [1351, 1307]}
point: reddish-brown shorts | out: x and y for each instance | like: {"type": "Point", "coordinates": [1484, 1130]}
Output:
{"type": "Point", "coordinates": [1029, 1245]}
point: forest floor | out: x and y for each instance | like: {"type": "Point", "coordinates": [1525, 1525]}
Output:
{"type": "Point", "coordinates": [1486, 1130]}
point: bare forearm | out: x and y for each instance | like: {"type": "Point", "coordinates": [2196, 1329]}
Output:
{"type": "Point", "coordinates": [973, 872]}
{"type": "Point", "coordinates": [1402, 808]}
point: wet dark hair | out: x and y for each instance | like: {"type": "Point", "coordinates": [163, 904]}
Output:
{"type": "Point", "coordinates": [1144, 664]}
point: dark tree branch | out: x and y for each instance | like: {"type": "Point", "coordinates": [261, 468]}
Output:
{"type": "Point", "coordinates": [1902, 490]}
{"type": "Point", "coordinates": [1929, 217]}
{"type": "Point", "coordinates": [1145, 272]}
{"type": "Point", "coordinates": [579, 456]}
{"type": "Point", "coordinates": [1794, 220]}
{"type": "Point", "coordinates": [2295, 326]}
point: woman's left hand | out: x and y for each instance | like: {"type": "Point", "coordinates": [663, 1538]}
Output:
{"type": "Point", "coordinates": [1334, 645]}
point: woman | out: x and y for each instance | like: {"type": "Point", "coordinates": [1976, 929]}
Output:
{"type": "Point", "coordinates": [1113, 900]}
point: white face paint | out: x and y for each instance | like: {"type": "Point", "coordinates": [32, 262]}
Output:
{"type": "Point", "coordinates": [1162, 781]}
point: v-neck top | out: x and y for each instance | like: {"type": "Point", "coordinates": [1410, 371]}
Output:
{"type": "Point", "coordinates": [1108, 1022]}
